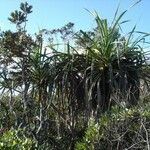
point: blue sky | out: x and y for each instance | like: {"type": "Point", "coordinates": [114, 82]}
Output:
{"type": "Point", "coordinates": [52, 14]}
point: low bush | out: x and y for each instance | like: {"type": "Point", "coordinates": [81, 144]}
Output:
{"type": "Point", "coordinates": [15, 139]}
{"type": "Point", "coordinates": [120, 129]}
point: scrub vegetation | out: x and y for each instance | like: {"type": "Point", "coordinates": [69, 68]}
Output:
{"type": "Point", "coordinates": [89, 93]}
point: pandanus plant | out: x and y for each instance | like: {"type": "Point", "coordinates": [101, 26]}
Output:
{"type": "Point", "coordinates": [108, 65]}
{"type": "Point", "coordinates": [115, 65]}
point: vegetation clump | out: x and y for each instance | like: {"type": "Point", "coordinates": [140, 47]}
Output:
{"type": "Point", "coordinates": [85, 94]}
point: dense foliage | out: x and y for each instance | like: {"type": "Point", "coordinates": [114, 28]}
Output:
{"type": "Point", "coordinates": [120, 129]}
{"type": "Point", "coordinates": [84, 94]}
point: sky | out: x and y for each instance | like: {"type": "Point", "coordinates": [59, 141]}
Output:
{"type": "Point", "coordinates": [52, 14]}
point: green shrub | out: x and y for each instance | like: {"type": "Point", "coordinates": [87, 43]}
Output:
{"type": "Point", "coordinates": [15, 140]}
{"type": "Point", "coordinates": [118, 129]}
